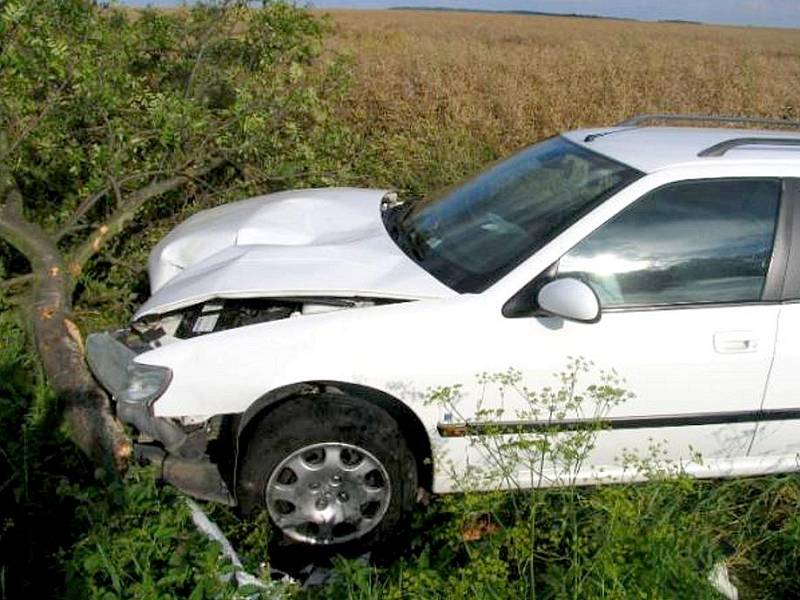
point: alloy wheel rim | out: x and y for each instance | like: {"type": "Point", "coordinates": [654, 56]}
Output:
{"type": "Point", "coordinates": [328, 493]}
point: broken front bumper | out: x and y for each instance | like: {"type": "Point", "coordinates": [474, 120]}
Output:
{"type": "Point", "coordinates": [133, 386]}
{"type": "Point", "coordinates": [181, 453]}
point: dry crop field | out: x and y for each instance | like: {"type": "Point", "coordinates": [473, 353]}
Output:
{"type": "Point", "coordinates": [445, 91]}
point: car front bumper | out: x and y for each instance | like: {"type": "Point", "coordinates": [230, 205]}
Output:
{"type": "Point", "coordinates": [179, 452]}
{"type": "Point", "coordinates": [111, 359]}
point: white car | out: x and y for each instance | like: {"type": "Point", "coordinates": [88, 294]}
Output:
{"type": "Point", "coordinates": [285, 355]}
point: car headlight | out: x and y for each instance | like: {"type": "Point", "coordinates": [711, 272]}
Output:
{"type": "Point", "coordinates": [145, 383]}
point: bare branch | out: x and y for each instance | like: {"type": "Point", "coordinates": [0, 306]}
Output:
{"type": "Point", "coordinates": [117, 190]}
{"type": "Point", "coordinates": [88, 203]}
{"type": "Point", "coordinates": [207, 38]}
{"type": "Point", "coordinates": [13, 201]}
{"type": "Point", "coordinates": [196, 66]}
{"type": "Point", "coordinates": [19, 281]}
{"type": "Point", "coordinates": [76, 216]}
{"type": "Point", "coordinates": [127, 210]}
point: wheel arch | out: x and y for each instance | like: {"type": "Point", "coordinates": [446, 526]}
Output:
{"type": "Point", "coordinates": [410, 424]}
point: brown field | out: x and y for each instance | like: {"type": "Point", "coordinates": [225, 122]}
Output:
{"type": "Point", "coordinates": [443, 92]}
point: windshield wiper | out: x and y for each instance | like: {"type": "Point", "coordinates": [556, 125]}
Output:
{"type": "Point", "coordinates": [410, 241]}
{"type": "Point", "coordinates": [394, 218]}
{"type": "Point", "coordinates": [416, 246]}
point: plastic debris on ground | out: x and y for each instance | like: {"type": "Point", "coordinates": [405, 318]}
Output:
{"type": "Point", "coordinates": [722, 583]}
{"type": "Point", "coordinates": [268, 589]}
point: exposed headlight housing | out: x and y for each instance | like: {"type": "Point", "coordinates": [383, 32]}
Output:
{"type": "Point", "coordinates": [114, 365]}
{"type": "Point", "coordinates": [145, 383]}
{"type": "Point", "coordinates": [134, 386]}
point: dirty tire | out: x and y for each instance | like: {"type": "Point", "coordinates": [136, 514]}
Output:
{"type": "Point", "coordinates": [303, 421]}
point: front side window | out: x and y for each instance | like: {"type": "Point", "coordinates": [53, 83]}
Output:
{"type": "Point", "coordinates": [473, 235]}
{"type": "Point", "coordinates": [691, 242]}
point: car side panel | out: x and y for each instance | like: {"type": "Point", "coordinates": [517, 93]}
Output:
{"type": "Point", "coordinates": [403, 350]}
{"type": "Point", "coordinates": [779, 440]}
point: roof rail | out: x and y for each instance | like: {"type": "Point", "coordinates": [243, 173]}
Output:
{"type": "Point", "coordinates": [640, 119]}
{"type": "Point", "coordinates": [721, 148]}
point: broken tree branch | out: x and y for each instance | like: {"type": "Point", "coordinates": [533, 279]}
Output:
{"type": "Point", "coordinates": [88, 203]}
{"type": "Point", "coordinates": [82, 209]}
{"type": "Point", "coordinates": [58, 342]}
{"type": "Point", "coordinates": [18, 281]}
{"type": "Point", "coordinates": [127, 210]}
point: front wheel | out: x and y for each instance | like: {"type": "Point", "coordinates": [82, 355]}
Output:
{"type": "Point", "coordinates": [331, 471]}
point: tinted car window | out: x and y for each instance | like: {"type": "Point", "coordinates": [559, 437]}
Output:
{"type": "Point", "coordinates": [689, 242]}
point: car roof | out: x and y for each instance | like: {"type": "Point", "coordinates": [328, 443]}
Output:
{"type": "Point", "coordinates": [651, 149]}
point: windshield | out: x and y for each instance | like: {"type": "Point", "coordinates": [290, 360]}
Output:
{"type": "Point", "coordinates": [473, 235]}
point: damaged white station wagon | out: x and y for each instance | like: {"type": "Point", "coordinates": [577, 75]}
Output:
{"type": "Point", "coordinates": [283, 359]}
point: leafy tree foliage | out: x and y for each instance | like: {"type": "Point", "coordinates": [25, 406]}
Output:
{"type": "Point", "coordinates": [103, 110]}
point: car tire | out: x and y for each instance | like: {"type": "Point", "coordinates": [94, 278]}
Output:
{"type": "Point", "coordinates": [333, 472]}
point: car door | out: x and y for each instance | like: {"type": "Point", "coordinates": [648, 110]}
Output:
{"type": "Point", "coordinates": [776, 446]}
{"type": "Point", "coordinates": [688, 319]}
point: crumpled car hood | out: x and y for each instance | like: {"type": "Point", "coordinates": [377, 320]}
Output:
{"type": "Point", "coordinates": [314, 242]}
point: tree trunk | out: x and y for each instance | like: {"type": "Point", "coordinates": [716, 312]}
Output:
{"type": "Point", "coordinates": [58, 342]}
{"type": "Point", "coordinates": [85, 405]}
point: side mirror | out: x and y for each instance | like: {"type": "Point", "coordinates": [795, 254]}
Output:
{"type": "Point", "coordinates": [571, 299]}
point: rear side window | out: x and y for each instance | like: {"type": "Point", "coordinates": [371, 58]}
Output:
{"type": "Point", "coordinates": [691, 242]}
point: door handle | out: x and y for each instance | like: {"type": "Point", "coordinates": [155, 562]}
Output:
{"type": "Point", "coordinates": [735, 342]}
